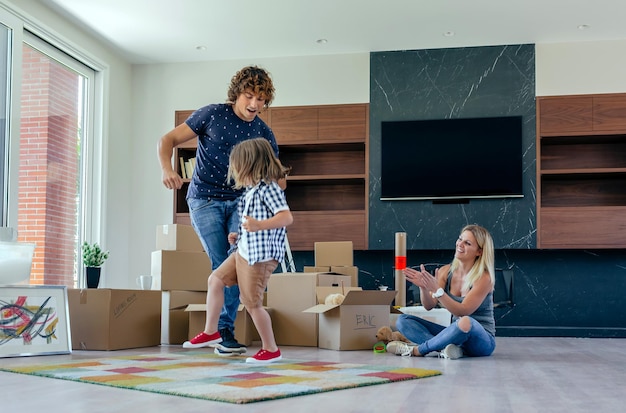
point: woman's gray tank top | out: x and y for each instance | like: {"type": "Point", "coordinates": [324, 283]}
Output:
{"type": "Point", "coordinates": [484, 312]}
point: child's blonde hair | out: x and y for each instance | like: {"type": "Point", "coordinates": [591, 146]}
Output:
{"type": "Point", "coordinates": [253, 161]}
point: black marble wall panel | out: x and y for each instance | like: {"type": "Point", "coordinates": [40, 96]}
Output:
{"type": "Point", "coordinates": [559, 293]}
{"type": "Point", "coordinates": [453, 83]}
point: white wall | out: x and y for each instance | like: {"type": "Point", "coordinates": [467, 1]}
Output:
{"type": "Point", "coordinates": [580, 68]}
{"type": "Point", "coordinates": [159, 90]}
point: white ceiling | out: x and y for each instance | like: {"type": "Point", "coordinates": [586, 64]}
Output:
{"type": "Point", "coordinates": [156, 31]}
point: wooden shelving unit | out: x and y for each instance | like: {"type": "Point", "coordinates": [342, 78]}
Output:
{"type": "Point", "coordinates": [581, 171]}
{"type": "Point", "coordinates": [327, 190]}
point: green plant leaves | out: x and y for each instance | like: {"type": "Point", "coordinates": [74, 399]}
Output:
{"type": "Point", "coordinates": [93, 256]}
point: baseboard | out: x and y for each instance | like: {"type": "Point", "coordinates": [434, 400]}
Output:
{"type": "Point", "coordinates": [588, 332]}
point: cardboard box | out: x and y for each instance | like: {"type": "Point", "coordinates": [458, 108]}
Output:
{"type": "Point", "coordinates": [108, 319]}
{"type": "Point", "coordinates": [324, 291]}
{"type": "Point", "coordinates": [333, 280]}
{"type": "Point", "coordinates": [180, 270]}
{"type": "Point", "coordinates": [245, 330]}
{"type": "Point", "coordinates": [288, 294]}
{"type": "Point", "coordinates": [339, 253]}
{"type": "Point", "coordinates": [174, 318]}
{"type": "Point", "coordinates": [353, 324]}
{"type": "Point", "coordinates": [177, 237]}
{"type": "Point", "coordinates": [352, 271]}
{"type": "Point", "coordinates": [308, 268]}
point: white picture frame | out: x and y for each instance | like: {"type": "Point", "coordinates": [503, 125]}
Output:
{"type": "Point", "coordinates": [34, 321]}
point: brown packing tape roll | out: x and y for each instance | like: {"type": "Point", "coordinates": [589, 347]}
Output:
{"type": "Point", "coordinates": [400, 289]}
{"type": "Point", "coordinates": [400, 281]}
{"type": "Point", "coordinates": [400, 244]}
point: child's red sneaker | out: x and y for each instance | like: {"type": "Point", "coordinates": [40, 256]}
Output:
{"type": "Point", "coordinates": [264, 356]}
{"type": "Point", "coordinates": [203, 340]}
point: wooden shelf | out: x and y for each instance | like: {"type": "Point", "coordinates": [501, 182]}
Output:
{"type": "Point", "coordinates": [325, 178]}
{"type": "Point", "coordinates": [327, 190]}
{"type": "Point", "coordinates": [581, 171]}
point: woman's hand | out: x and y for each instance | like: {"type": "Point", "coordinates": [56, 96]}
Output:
{"type": "Point", "coordinates": [422, 278]}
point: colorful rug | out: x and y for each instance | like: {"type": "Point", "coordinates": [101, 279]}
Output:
{"type": "Point", "coordinates": [210, 377]}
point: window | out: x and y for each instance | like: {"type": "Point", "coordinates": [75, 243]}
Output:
{"type": "Point", "coordinates": [6, 41]}
{"type": "Point", "coordinates": [49, 155]}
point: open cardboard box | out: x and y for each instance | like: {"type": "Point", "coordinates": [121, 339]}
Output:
{"type": "Point", "coordinates": [353, 324]}
{"type": "Point", "coordinates": [174, 318]}
{"type": "Point", "coordinates": [352, 272]}
{"type": "Point", "coordinates": [287, 295]}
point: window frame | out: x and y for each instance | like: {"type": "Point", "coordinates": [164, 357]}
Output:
{"type": "Point", "coordinates": [94, 158]}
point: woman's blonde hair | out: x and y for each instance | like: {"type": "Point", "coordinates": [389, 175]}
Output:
{"type": "Point", "coordinates": [253, 161]}
{"type": "Point", "coordinates": [484, 262]}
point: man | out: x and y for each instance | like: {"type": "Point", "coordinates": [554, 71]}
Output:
{"type": "Point", "coordinates": [212, 200]}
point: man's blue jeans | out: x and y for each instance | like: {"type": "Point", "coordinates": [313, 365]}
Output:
{"type": "Point", "coordinates": [434, 337]}
{"type": "Point", "coordinates": [213, 220]}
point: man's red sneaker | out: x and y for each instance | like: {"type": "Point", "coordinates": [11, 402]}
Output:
{"type": "Point", "coordinates": [264, 357]}
{"type": "Point", "coordinates": [203, 340]}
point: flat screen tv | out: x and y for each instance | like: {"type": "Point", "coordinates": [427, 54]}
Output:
{"type": "Point", "coordinates": [451, 159]}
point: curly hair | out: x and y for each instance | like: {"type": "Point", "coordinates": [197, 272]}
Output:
{"type": "Point", "coordinates": [254, 79]}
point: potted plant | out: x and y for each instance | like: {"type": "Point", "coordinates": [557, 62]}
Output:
{"type": "Point", "coordinates": [93, 258]}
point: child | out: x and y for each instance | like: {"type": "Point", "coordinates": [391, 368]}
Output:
{"type": "Point", "coordinates": [264, 214]}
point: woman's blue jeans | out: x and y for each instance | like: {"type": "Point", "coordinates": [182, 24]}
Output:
{"type": "Point", "coordinates": [434, 337]}
{"type": "Point", "coordinates": [213, 220]}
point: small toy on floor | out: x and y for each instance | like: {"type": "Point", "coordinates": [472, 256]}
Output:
{"type": "Point", "coordinates": [380, 347]}
{"type": "Point", "coordinates": [385, 334]}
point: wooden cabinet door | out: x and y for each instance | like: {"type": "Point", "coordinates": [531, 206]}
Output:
{"type": "Point", "coordinates": [609, 113]}
{"type": "Point", "coordinates": [294, 125]}
{"type": "Point", "coordinates": [346, 123]}
{"type": "Point", "coordinates": [566, 114]}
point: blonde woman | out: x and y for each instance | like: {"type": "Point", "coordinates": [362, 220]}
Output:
{"type": "Point", "coordinates": [465, 288]}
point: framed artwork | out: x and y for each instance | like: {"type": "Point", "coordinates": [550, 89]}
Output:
{"type": "Point", "coordinates": [34, 321]}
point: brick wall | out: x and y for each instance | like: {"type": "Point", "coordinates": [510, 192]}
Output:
{"type": "Point", "coordinates": [49, 168]}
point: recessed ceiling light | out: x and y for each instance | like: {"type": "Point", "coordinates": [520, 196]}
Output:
{"type": "Point", "coordinates": [584, 27]}
{"type": "Point", "coordinates": [449, 33]}
{"type": "Point", "coordinates": [201, 48]}
{"type": "Point", "coordinates": [321, 41]}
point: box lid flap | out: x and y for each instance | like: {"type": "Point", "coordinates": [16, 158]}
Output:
{"type": "Point", "coordinates": [369, 297]}
{"type": "Point", "coordinates": [196, 307]}
{"type": "Point", "coordinates": [320, 308]}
